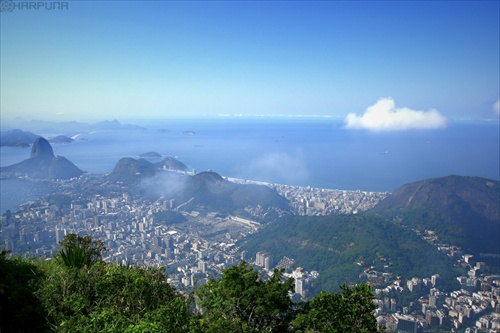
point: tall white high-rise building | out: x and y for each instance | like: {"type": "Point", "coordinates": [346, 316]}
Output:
{"type": "Point", "coordinates": [264, 259]}
{"type": "Point", "coordinates": [299, 284]}
{"type": "Point", "coordinates": [59, 235]}
{"type": "Point", "coordinates": [202, 266]}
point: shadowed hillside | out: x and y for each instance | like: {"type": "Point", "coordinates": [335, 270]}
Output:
{"type": "Point", "coordinates": [17, 138]}
{"type": "Point", "coordinates": [463, 210]}
{"type": "Point", "coordinates": [131, 171]}
{"type": "Point", "coordinates": [203, 191]}
{"type": "Point", "coordinates": [209, 188]}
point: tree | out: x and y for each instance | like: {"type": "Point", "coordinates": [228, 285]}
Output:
{"type": "Point", "coordinates": [113, 298]}
{"type": "Point", "coordinates": [79, 251]}
{"type": "Point", "coordinates": [242, 302]}
{"type": "Point", "coordinates": [20, 310]}
{"type": "Point", "coordinates": [348, 311]}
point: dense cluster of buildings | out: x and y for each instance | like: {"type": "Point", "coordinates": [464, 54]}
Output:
{"type": "Point", "coordinates": [306, 200]}
{"type": "Point", "coordinates": [135, 232]}
{"type": "Point", "coordinates": [204, 243]}
{"type": "Point", "coordinates": [460, 309]}
{"type": "Point", "coordinates": [475, 307]}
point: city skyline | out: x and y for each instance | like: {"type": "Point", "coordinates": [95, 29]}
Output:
{"type": "Point", "coordinates": [91, 61]}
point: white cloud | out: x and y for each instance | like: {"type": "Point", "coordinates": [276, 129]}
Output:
{"type": "Point", "coordinates": [496, 107]}
{"type": "Point", "coordinates": [384, 116]}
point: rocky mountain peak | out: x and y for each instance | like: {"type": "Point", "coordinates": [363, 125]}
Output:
{"type": "Point", "coordinates": [41, 148]}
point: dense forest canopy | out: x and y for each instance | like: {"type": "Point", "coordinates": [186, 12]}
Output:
{"type": "Point", "coordinates": [333, 245]}
{"type": "Point", "coordinates": [78, 292]}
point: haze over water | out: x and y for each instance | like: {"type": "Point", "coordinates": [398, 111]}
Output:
{"type": "Point", "coordinates": [306, 152]}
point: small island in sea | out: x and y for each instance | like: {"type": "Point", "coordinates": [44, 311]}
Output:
{"type": "Point", "coordinates": [61, 139]}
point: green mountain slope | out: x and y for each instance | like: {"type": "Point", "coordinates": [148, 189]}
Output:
{"type": "Point", "coordinates": [334, 245]}
{"type": "Point", "coordinates": [462, 211]}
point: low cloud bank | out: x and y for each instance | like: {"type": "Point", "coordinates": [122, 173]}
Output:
{"type": "Point", "coordinates": [385, 116]}
{"type": "Point", "coordinates": [167, 185]}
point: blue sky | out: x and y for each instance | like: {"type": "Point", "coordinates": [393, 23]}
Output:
{"type": "Point", "coordinates": [100, 60]}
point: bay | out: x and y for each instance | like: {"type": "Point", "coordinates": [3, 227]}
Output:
{"type": "Point", "coordinates": [15, 192]}
{"type": "Point", "coordinates": [304, 152]}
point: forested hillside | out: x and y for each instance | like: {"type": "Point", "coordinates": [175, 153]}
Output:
{"type": "Point", "coordinates": [334, 245]}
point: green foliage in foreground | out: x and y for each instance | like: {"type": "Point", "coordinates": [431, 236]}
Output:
{"type": "Point", "coordinates": [242, 302]}
{"type": "Point", "coordinates": [20, 309]}
{"type": "Point", "coordinates": [79, 251]}
{"type": "Point", "coordinates": [350, 310]}
{"type": "Point", "coordinates": [58, 296]}
{"type": "Point", "coordinates": [111, 298]}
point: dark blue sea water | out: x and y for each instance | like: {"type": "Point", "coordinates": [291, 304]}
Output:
{"type": "Point", "coordinates": [315, 152]}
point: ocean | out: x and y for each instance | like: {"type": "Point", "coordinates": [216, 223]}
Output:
{"type": "Point", "coordinates": [305, 152]}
